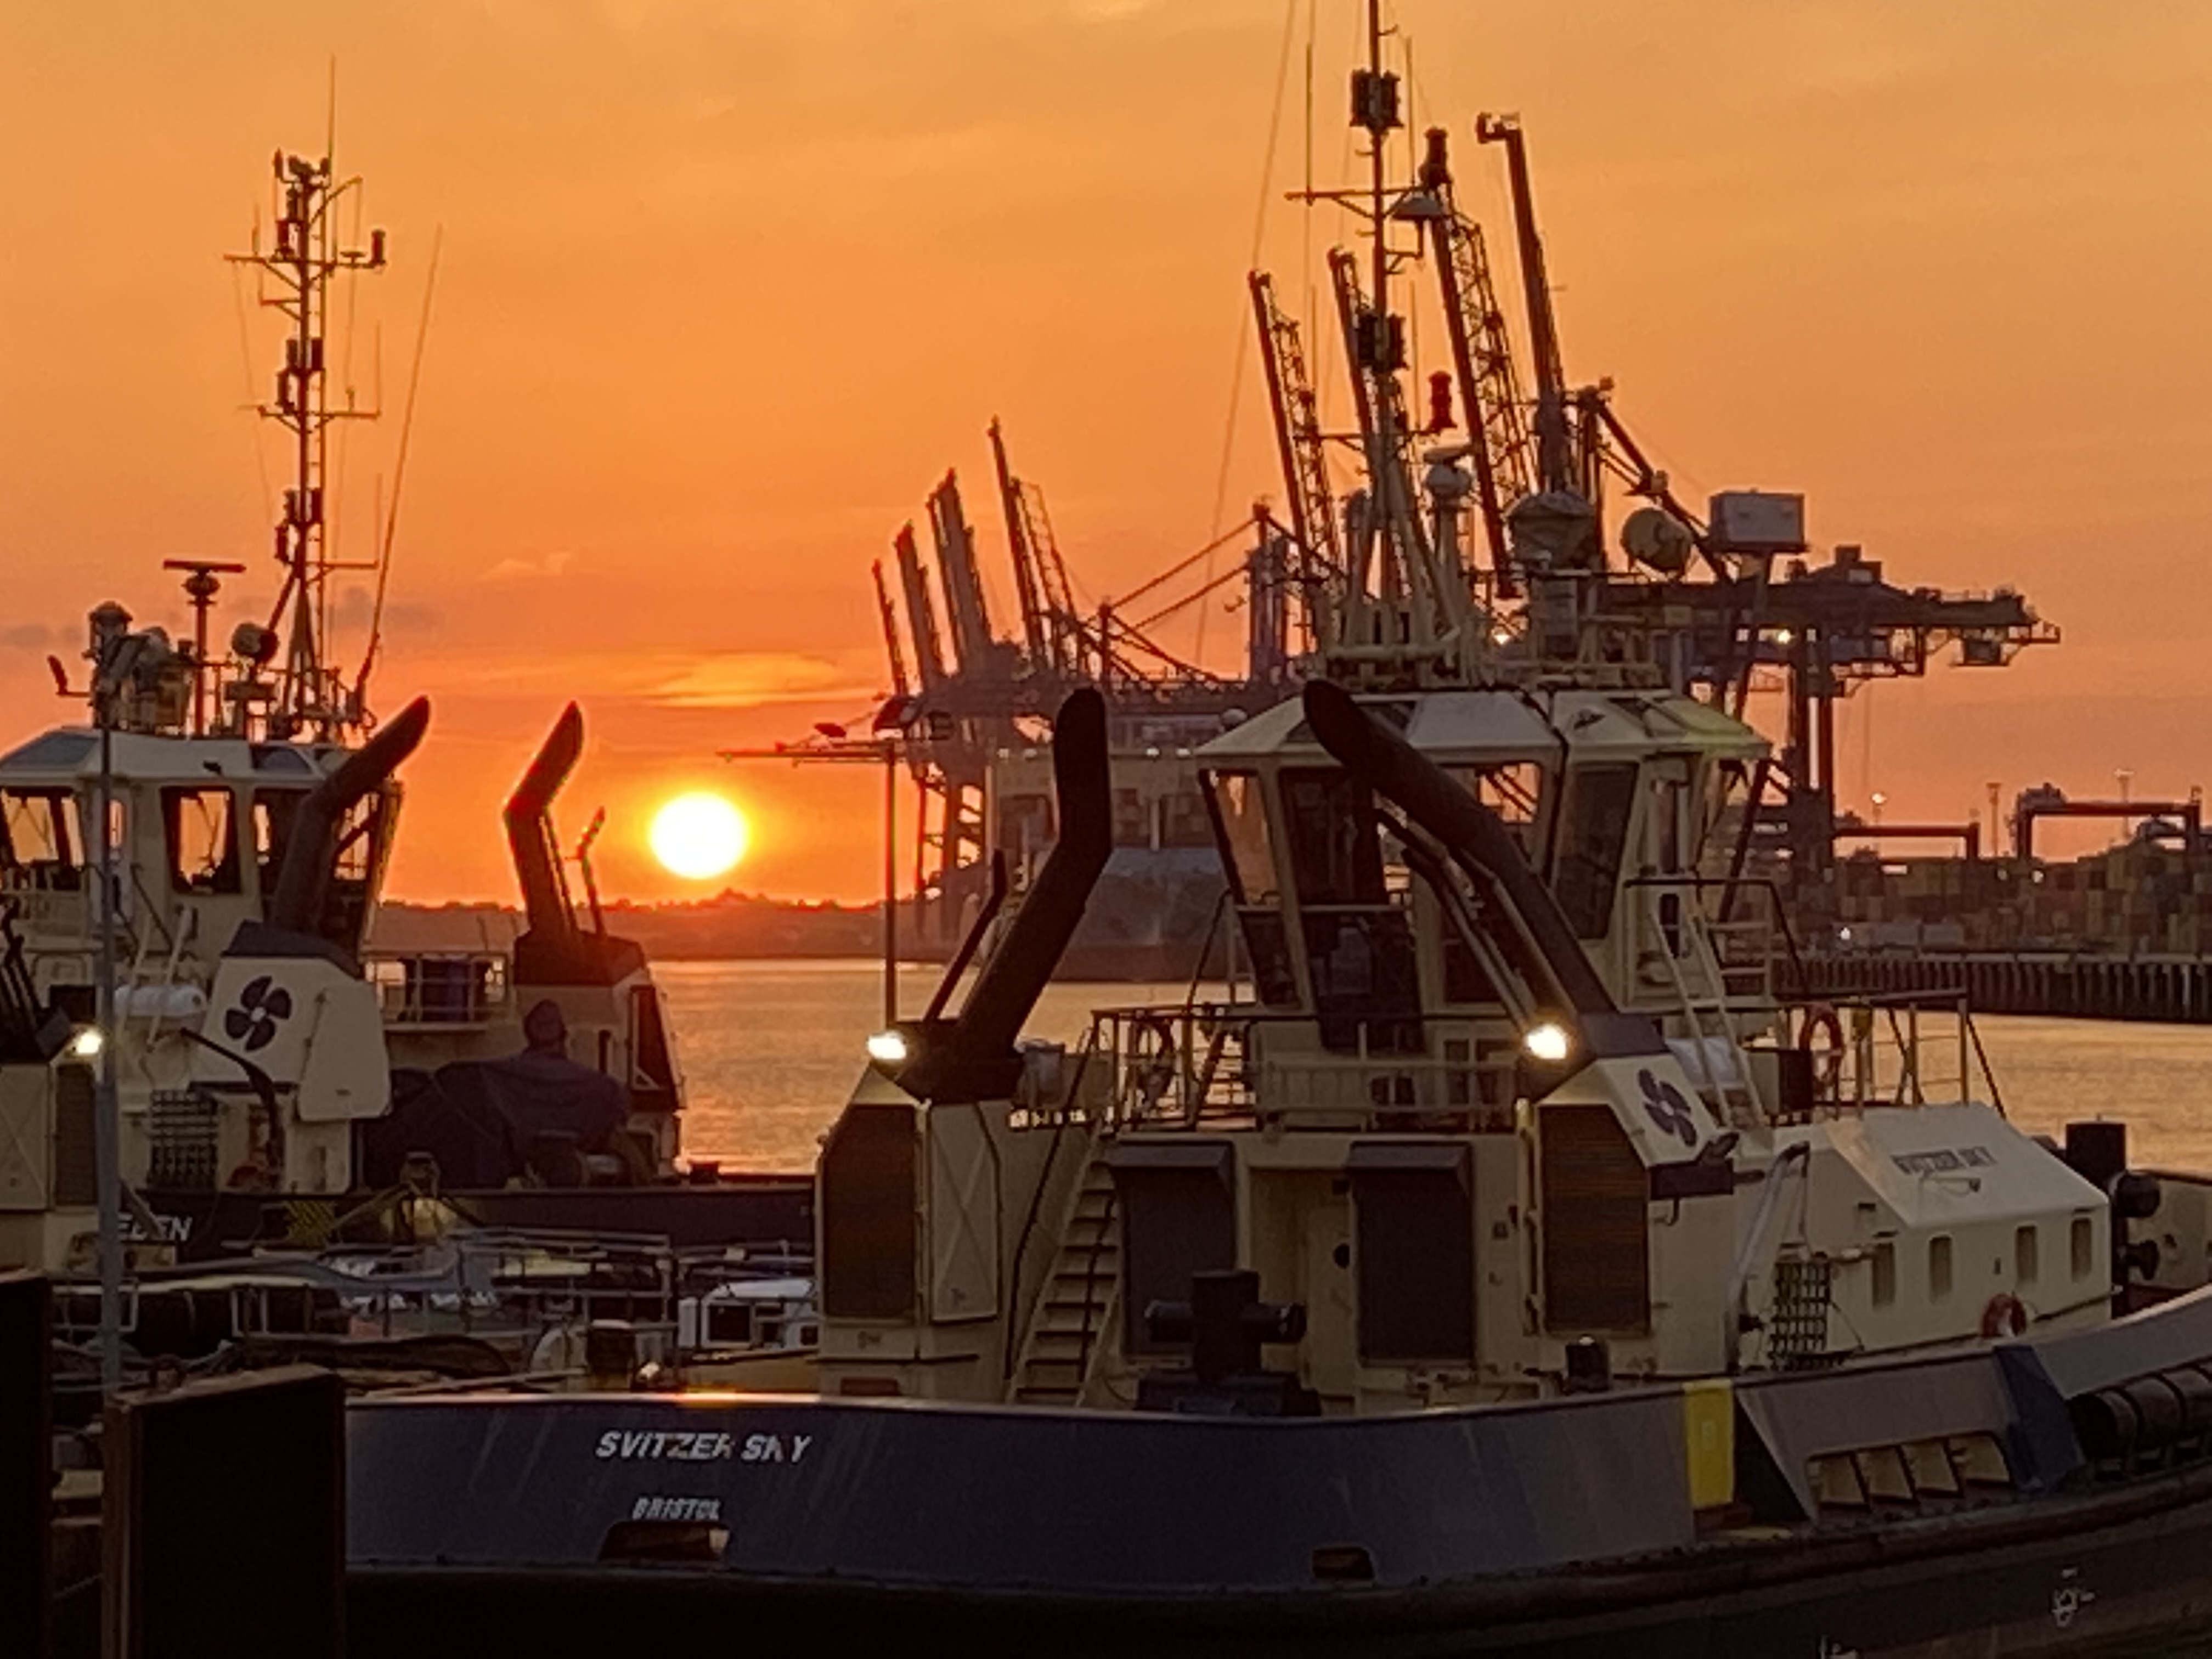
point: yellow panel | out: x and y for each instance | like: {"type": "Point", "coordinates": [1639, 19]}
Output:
{"type": "Point", "coordinates": [1709, 1442]}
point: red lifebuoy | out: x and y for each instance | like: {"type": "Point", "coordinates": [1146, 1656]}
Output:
{"type": "Point", "coordinates": [2004, 1316]}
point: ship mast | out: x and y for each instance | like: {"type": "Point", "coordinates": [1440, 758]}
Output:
{"type": "Point", "coordinates": [1403, 606]}
{"type": "Point", "coordinates": [310, 698]}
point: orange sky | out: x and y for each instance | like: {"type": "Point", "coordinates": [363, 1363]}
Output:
{"type": "Point", "coordinates": [725, 285]}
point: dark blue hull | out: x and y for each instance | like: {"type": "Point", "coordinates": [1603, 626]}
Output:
{"type": "Point", "coordinates": [1565, 1528]}
{"type": "Point", "coordinates": [2080, 1584]}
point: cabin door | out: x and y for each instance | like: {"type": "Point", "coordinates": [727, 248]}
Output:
{"type": "Point", "coordinates": [1325, 1286]}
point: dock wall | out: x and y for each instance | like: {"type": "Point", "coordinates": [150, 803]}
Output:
{"type": "Point", "coordinates": [2171, 989]}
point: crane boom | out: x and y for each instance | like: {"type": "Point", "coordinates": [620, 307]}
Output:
{"type": "Point", "coordinates": [1070, 631]}
{"type": "Point", "coordinates": [1482, 359]}
{"type": "Point", "coordinates": [1299, 444]}
{"type": "Point", "coordinates": [1554, 468]}
{"type": "Point", "coordinates": [928, 650]}
{"type": "Point", "coordinates": [900, 684]}
{"type": "Point", "coordinates": [1036, 633]}
{"type": "Point", "coordinates": [970, 616]}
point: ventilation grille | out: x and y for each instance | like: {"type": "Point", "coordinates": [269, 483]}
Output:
{"type": "Point", "coordinates": [1596, 1199]}
{"type": "Point", "coordinates": [1797, 1328]}
{"type": "Point", "coordinates": [76, 1169]}
{"type": "Point", "coordinates": [181, 1128]}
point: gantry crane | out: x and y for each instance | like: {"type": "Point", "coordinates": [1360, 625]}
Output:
{"type": "Point", "coordinates": [921, 613]}
{"type": "Point", "coordinates": [902, 686]}
{"type": "Point", "coordinates": [1052, 628]}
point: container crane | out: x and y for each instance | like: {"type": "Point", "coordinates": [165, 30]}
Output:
{"type": "Point", "coordinates": [974, 646]}
{"type": "Point", "coordinates": [902, 686]}
{"type": "Point", "coordinates": [1052, 628]}
{"type": "Point", "coordinates": [1036, 633]}
{"type": "Point", "coordinates": [921, 614]}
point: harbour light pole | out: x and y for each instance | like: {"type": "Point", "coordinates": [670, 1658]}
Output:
{"type": "Point", "coordinates": [111, 645]}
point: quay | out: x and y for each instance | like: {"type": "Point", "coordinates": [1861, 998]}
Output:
{"type": "Point", "coordinates": [2171, 989]}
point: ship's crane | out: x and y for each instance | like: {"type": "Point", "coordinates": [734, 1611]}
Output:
{"type": "Point", "coordinates": [1554, 464]}
{"type": "Point", "coordinates": [1482, 358]}
{"type": "Point", "coordinates": [1300, 444]}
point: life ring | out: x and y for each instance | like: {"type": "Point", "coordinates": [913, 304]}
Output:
{"type": "Point", "coordinates": [2004, 1316]}
{"type": "Point", "coordinates": [1821, 1018]}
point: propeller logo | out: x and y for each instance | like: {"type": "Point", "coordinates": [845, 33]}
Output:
{"type": "Point", "coordinates": [1664, 1105]}
{"type": "Point", "coordinates": [262, 1007]}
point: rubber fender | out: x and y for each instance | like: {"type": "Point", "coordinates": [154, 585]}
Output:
{"type": "Point", "coordinates": [2160, 1416]}
{"type": "Point", "coordinates": [2106, 1424]}
{"type": "Point", "coordinates": [2194, 1390]}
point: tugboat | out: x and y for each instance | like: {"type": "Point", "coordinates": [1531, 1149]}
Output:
{"type": "Point", "coordinates": [1505, 1275]}
{"type": "Point", "coordinates": [1507, 1266]}
{"type": "Point", "coordinates": [211, 842]}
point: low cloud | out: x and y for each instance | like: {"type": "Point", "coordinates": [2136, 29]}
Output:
{"type": "Point", "coordinates": [526, 568]}
{"type": "Point", "coordinates": [750, 679]}
{"type": "Point", "coordinates": [402, 617]}
{"type": "Point", "coordinates": [32, 636]}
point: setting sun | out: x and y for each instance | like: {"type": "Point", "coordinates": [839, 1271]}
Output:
{"type": "Point", "coordinates": [698, 835]}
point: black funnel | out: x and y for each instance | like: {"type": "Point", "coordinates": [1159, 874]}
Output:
{"type": "Point", "coordinates": [529, 828]}
{"type": "Point", "coordinates": [1475, 837]}
{"type": "Point", "coordinates": [980, 1042]}
{"type": "Point", "coordinates": [311, 849]}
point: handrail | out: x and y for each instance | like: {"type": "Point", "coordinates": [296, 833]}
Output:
{"type": "Point", "coordinates": [1083, 1058]}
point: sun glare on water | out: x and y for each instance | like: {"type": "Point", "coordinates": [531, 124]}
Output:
{"type": "Point", "coordinates": [698, 835]}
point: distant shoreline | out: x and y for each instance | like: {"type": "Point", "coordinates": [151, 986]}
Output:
{"type": "Point", "coordinates": [729, 927]}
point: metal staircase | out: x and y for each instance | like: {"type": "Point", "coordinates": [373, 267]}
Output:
{"type": "Point", "coordinates": [1082, 1292]}
{"type": "Point", "coordinates": [1723, 1069]}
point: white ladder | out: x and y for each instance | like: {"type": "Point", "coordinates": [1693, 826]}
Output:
{"type": "Point", "coordinates": [1081, 1294]}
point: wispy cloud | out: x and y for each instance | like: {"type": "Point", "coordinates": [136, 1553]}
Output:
{"type": "Point", "coordinates": [524, 568]}
{"type": "Point", "coordinates": [31, 636]}
{"type": "Point", "coordinates": [746, 679]}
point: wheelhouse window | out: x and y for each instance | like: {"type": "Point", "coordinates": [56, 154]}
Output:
{"type": "Point", "coordinates": [41, 842]}
{"type": "Point", "coordinates": [201, 830]}
{"type": "Point", "coordinates": [1334, 856]}
{"type": "Point", "coordinates": [1594, 822]}
{"type": "Point", "coordinates": [357, 867]}
{"type": "Point", "coordinates": [1247, 849]}
{"type": "Point", "coordinates": [1513, 790]}
{"type": "Point", "coordinates": [1237, 801]}
{"type": "Point", "coordinates": [1358, 944]}
{"type": "Point", "coordinates": [273, 811]}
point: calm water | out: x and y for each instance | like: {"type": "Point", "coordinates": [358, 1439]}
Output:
{"type": "Point", "coordinates": [771, 1049]}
